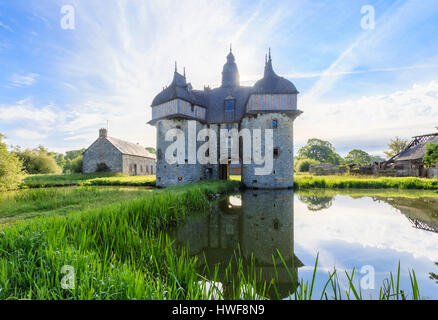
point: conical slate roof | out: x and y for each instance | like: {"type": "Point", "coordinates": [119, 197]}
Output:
{"type": "Point", "coordinates": [271, 83]}
{"type": "Point", "coordinates": [178, 89]}
{"type": "Point", "coordinates": [230, 73]}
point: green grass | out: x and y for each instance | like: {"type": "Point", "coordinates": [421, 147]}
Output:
{"type": "Point", "coordinates": [98, 179]}
{"type": "Point", "coordinates": [121, 251]}
{"type": "Point", "coordinates": [23, 204]}
{"type": "Point", "coordinates": [59, 180]}
{"type": "Point", "coordinates": [352, 182]}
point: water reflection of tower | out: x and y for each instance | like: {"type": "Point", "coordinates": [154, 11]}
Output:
{"type": "Point", "coordinates": [260, 222]}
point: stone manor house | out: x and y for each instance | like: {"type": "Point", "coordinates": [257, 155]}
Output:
{"type": "Point", "coordinates": [270, 104]}
{"type": "Point", "coordinates": [117, 156]}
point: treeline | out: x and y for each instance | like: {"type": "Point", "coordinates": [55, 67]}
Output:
{"type": "Point", "coordinates": [42, 161]}
{"type": "Point", "coordinates": [16, 163]}
{"type": "Point", "coordinates": [318, 151]}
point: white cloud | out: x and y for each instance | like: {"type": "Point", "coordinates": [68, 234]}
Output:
{"type": "Point", "coordinates": [370, 121]}
{"type": "Point", "coordinates": [27, 134]}
{"type": "Point", "coordinates": [22, 80]}
{"type": "Point", "coordinates": [363, 222]}
{"type": "Point", "coordinates": [4, 26]}
{"type": "Point", "coordinates": [25, 111]}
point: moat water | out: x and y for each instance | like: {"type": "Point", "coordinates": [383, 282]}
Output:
{"type": "Point", "coordinates": [370, 231]}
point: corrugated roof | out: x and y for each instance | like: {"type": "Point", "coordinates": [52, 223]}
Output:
{"type": "Point", "coordinates": [130, 148]}
{"type": "Point", "coordinates": [417, 151]}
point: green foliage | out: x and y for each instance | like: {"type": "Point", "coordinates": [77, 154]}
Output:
{"type": "Point", "coordinates": [431, 156]}
{"type": "Point", "coordinates": [73, 165]}
{"type": "Point", "coordinates": [303, 165]}
{"type": "Point", "coordinates": [151, 150]}
{"type": "Point", "coordinates": [377, 159]}
{"type": "Point", "coordinates": [37, 161]}
{"type": "Point", "coordinates": [10, 168]}
{"type": "Point", "coordinates": [320, 150]}
{"type": "Point", "coordinates": [102, 167]}
{"type": "Point", "coordinates": [357, 156]}
{"type": "Point", "coordinates": [396, 146]}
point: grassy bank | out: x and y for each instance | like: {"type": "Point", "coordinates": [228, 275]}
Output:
{"type": "Point", "coordinates": [121, 251]}
{"type": "Point", "coordinates": [23, 204]}
{"type": "Point", "coordinates": [98, 179]}
{"type": "Point", "coordinates": [351, 182]}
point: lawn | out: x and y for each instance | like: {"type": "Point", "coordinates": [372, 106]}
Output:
{"type": "Point", "coordinates": [109, 179]}
{"type": "Point", "coordinates": [23, 204]}
{"type": "Point", "coordinates": [307, 181]}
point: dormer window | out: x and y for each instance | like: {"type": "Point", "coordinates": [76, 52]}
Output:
{"type": "Point", "coordinates": [230, 104]}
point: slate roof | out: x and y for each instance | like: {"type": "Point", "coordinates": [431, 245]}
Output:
{"type": "Point", "coordinates": [130, 148]}
{"type": "Point", "coordinates": [178, 89]}
{"type": "Point", "coordinates": [272, 83]}
{"type": "Point", "coordinates": [418, 151]}
{"type": "Point", "coordinates": [214, 99]}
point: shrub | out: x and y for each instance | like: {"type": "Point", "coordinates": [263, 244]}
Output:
{"type": "Point", "coordinates": [303, 165]}
{"type": "Point", "coordinates": [10, 168]}
{"type": "Point", "coordinates": [102, 167]}
{"type": "Point", "coordinates": [431, 156]}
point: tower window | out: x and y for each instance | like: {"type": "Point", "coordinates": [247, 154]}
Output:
{"type": "Point", "coordinates": [229, 105]}
{"type": "Point", "coordinates": [276, 153]}
{"type": "Point", "coordinates": [275, 123]}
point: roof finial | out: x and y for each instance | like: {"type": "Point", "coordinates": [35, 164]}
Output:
{"type": "Point", "coordinates": [266, 58]}
{"type": "Point", "coordinates": [176, 67]}
{"type": "Point", "coordinates": [270, 54]}
{"type": "Point", "coordinates": [231, 48]}
{"type": "Point", "coordinates": [184, 72]}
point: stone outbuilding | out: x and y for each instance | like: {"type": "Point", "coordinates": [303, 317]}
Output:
{"type": "Point", "coordinates": [114, 155]}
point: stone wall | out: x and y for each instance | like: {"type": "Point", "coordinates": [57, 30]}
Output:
{"type": "Point", "coordinates": [283, 164]}
{"type": "Point", "coordinates": [102, 151]}
{"type": "Point", "coordinates": [140, 166]}
{"type": "Point", "coordinates": [175, 174]}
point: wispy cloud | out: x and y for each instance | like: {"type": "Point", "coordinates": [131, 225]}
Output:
{"type": "Point", "coordinates": [4, 26]}
{"type": "Point", "coordinates": [22, 80]}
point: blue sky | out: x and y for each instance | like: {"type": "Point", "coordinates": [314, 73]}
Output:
{"type": "Point", "coordinates": [359, 88]}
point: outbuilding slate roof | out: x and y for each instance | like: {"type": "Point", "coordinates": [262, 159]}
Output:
{"type": "Point", "coordinates": [130, 148]}
{"type": "Point", "coordinates": [416, 151]}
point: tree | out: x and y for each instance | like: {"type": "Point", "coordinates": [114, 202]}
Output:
{"type": "Point", "coordinates": [357, 156]}
{"type": "Point", "coordinates": [431, 156]}
{"type": "Point", "coordinates": [151, 150]}
{"type": "Point", "coordinates": [10, 168]}
{"type": "Point", "coordinates": [320, 150]}
{"type": "Point", "coordinates": [396, 146]}
{"type": "Point", "coordinates": [72, 154]}
{"type": "Point", "coordinates": [303, 165]}
{"type": "Point", "coordinates": [74, 165]}
{"type": "Point", "coordinates": [37, 161]}
{"type": "Point", "coordinates": [377, 159]}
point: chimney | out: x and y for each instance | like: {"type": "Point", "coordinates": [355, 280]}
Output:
{"type": "Point", "coordinates": [103, 133]}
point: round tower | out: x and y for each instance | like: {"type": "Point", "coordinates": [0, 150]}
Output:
{"type": "Point", "coordinates": [272, 105]}
{"type": "Point", "coordinates": [178, 108]}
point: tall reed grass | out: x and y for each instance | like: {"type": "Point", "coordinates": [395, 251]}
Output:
{"type": "Point", "coordinates": [121, 251]}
